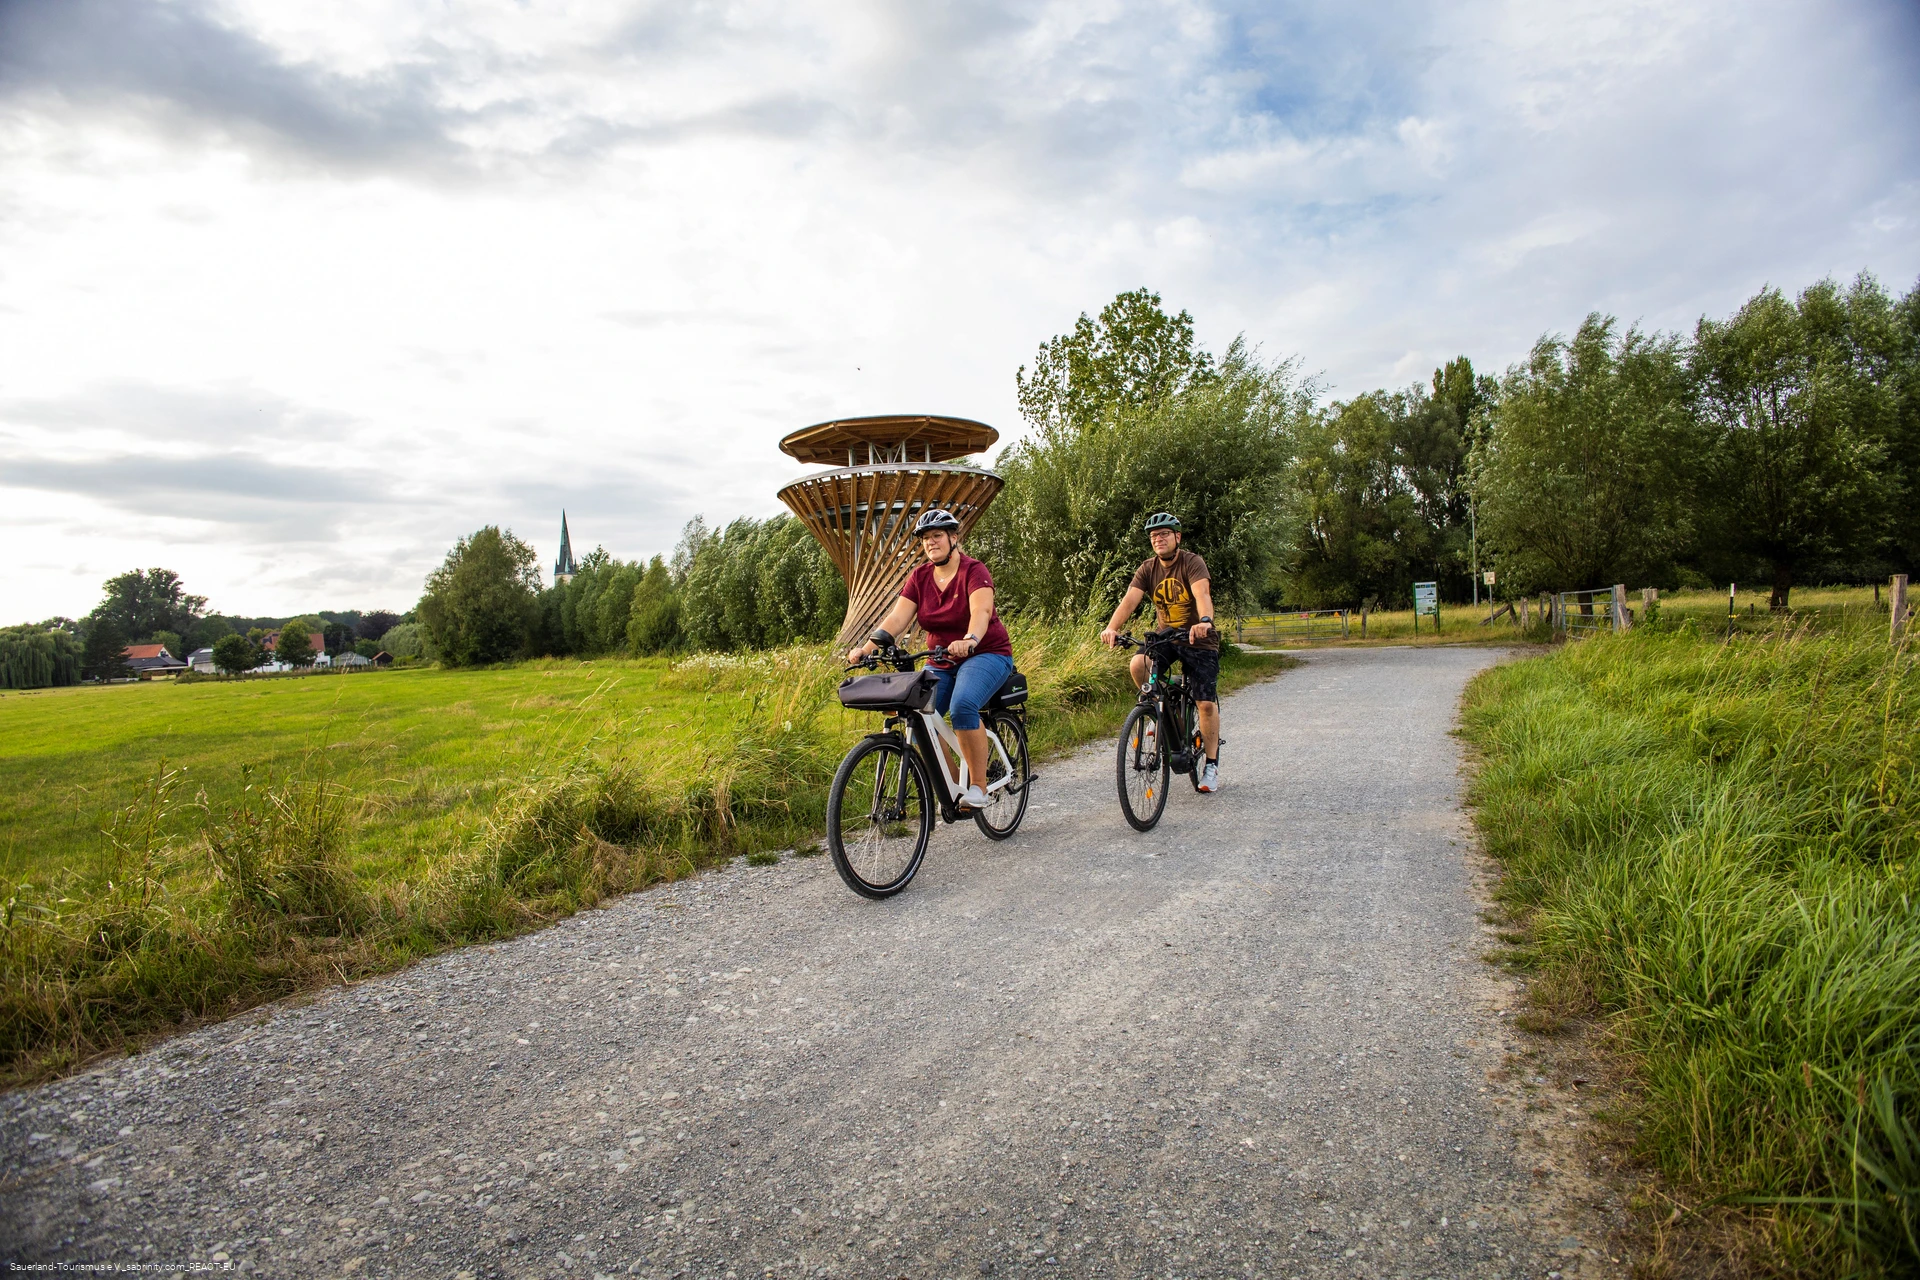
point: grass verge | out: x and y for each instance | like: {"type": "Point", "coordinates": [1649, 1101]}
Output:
{"type": "Point", "coordinates": [208, 889]}
{"type": "Point", "coordinates": [1711, 846]}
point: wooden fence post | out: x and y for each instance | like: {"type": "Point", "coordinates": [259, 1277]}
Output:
{"type": "Point", "coordinates": [1620, 619]}
{"type": "Point", "coordinates": [1363, 622]}
{"type": "Point", "coordinates": [1898, 598]}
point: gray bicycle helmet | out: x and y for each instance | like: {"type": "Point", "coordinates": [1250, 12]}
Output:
{"type": "Point", "coordinates": [938, 518]}
{"type": "Point", "coordinates": [1163, 520]}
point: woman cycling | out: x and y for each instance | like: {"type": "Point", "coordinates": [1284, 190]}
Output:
{"type": "Point", "coordinates": [951, 597]}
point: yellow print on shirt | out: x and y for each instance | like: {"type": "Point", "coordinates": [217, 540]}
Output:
{"type": "Point", "coordinates": [1174, 602]}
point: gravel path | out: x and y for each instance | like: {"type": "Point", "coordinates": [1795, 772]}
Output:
{"type": "Point", "coordinates": [1254, 1043]}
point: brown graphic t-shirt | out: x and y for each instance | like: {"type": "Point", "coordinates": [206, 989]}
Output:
{"type": "Point", "coordinates": [1170, 586]}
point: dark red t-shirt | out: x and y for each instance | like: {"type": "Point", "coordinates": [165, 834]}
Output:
{"type": "Point", "coordinates": [945, 614]}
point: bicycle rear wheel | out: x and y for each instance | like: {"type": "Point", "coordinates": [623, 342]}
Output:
{"type": "Point", "coordinates": [1143, 768]}
{"type": "Point", "coordinates": [878, 817]}
{"type": "Point", "coordinates": [1002, 818]}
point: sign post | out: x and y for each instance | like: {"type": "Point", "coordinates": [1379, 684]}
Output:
{"type": "Point", "coordinates": [1488, 578]}
{"type": "Point", "coordinates": [1426, 599]}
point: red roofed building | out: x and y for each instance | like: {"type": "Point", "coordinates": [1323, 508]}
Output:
{"type": "Point", "coordinates": [152, 660]}
{"type": "Point", "coordinates": [316, 643]}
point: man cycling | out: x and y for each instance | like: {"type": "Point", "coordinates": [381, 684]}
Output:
{"type": "Point", "coordinates": [1182, 592]}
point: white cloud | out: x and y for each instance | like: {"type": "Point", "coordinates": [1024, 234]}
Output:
{"type": "Point", "coordinates": [293, 297]}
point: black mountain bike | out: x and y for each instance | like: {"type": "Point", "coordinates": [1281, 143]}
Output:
{"type": "Point", "coordinates": [880, 810]}
{"type": "Point", "coordinates": [1161, 736]}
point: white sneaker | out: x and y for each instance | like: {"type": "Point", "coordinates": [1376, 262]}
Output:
{"type": "Point", "coordinates": [975, 798]}
{"type": "Point", "coordinates": [1210, 776]}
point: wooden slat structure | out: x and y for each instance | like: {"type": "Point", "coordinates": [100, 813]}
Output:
{"type": "Point", "coordinates": [887, 470]}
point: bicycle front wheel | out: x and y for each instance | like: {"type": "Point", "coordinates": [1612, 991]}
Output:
{"type": "Point", "coordinates": [1143, 768]}
{"type": "Point", "coordinates": [878, 818]}
{"type": "Point", "coordinates": [1001, 818]}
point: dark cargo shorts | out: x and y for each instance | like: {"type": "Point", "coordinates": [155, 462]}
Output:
{"type": "Point", "coordinates": [1202, 669]}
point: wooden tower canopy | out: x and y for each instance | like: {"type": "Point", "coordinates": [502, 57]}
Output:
{"type": "Point", "coordinates": [887, 470]}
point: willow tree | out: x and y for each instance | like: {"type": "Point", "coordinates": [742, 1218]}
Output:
{"type": "Point", "coordinates": [1802, 401]}
{"type": "Point", "coordinates": [1584, 477]}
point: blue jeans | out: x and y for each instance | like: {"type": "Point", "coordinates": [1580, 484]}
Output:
{"type": "Point", "coordinates": [967, 687]}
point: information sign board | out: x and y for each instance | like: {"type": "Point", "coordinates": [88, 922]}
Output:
{"type": "Point", "coordinates": [1426, 599]}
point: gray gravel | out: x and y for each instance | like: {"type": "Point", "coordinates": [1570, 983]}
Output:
{"type": "Point", "coordinates": [1254, 1043]}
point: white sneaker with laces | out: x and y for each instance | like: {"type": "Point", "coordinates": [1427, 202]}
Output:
{"type": "Point", "coordinates": [975, 798]}
{"type": "Point", "coordinates": [1210, 776]}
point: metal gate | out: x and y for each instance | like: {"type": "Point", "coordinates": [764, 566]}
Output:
{"type": "Point", "coordinates": [1585, 613]}
{"type": "Point", "coordinates": [1309, 625]}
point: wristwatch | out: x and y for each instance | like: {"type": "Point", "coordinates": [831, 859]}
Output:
{"type": "Point", "coordinates": [1208, 621]}
{"type": "Point", "coordinates": [970, 636]}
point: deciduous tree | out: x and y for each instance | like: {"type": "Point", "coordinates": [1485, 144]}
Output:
{"type": "Point", "coordinates": [1802, 400]}
{"type": "Point", "coordinates": [1134, 357]}
{"type": "Point", "coordinates": [105, 654]}
{"type": "Point", "coordinates": [295, 645]}
{"type": "Point", "coordinates": [235, 654]}
{"type": "Point", "coordinates": [375, 624]}
{"type": "Point", "coordinates": [480, 603]}
{"type": "Point", "coordinates": [1066, 530]}
{"type": "Point", "coordinates": [143, 603]}
{"type": "Point", "coordinates": [1583, 478]}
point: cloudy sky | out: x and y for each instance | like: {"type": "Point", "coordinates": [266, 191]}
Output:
{"type": "Point", "coordinates": [293, 295]}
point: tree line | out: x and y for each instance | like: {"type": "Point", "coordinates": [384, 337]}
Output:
{"type": "Point", "coordinates": [153, 606]}
{"type": "Point", "coordinates": [1780, 444]}
{"type": "Point", "coordinates": [753, 584]}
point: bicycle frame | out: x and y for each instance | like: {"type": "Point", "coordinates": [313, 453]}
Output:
{"type": "Point", "coordinates": [929, 733]}
{"type": "Point", "coordinates": [1178, 713]}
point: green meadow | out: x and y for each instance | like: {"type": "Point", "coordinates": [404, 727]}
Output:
{"type": "Point", "coordinates": [179, 851]}
{"type": "Point", "coordinates": [425, 752]}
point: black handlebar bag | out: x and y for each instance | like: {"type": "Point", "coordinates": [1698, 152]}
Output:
{"type": "Point", "coordinates": [888, 691]}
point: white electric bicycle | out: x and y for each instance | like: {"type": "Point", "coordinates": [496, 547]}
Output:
{"type": "Point", "coordinates": [886, 792]}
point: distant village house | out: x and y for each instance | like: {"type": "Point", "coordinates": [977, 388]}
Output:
{"type": "Point", "coordinates": [149, 660]}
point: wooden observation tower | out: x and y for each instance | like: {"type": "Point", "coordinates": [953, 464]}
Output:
{"type": "Point", "coordinates": [886, 471]}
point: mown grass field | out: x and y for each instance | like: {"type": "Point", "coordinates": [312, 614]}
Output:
{"type": "Point", "coordinates": [1710, 847]}
{"type": "Point", "coordinates": [425, 753]}
{"type": "Point", "coordinates": [179, 851]}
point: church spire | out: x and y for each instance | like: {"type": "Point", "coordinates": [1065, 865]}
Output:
{"type": "Point", "coordinates": [563, 566]}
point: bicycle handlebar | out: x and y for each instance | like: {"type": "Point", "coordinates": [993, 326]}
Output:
{"type": "Point", "coordinates": [900, 659]}
{"type": "Point", "coordinates": [1153, 638]}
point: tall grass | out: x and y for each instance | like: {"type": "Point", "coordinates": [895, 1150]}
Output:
{"type": "Point", "coordinates": [1715, 843]}
{"type": "Point", "coordinates": [201, 906]}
